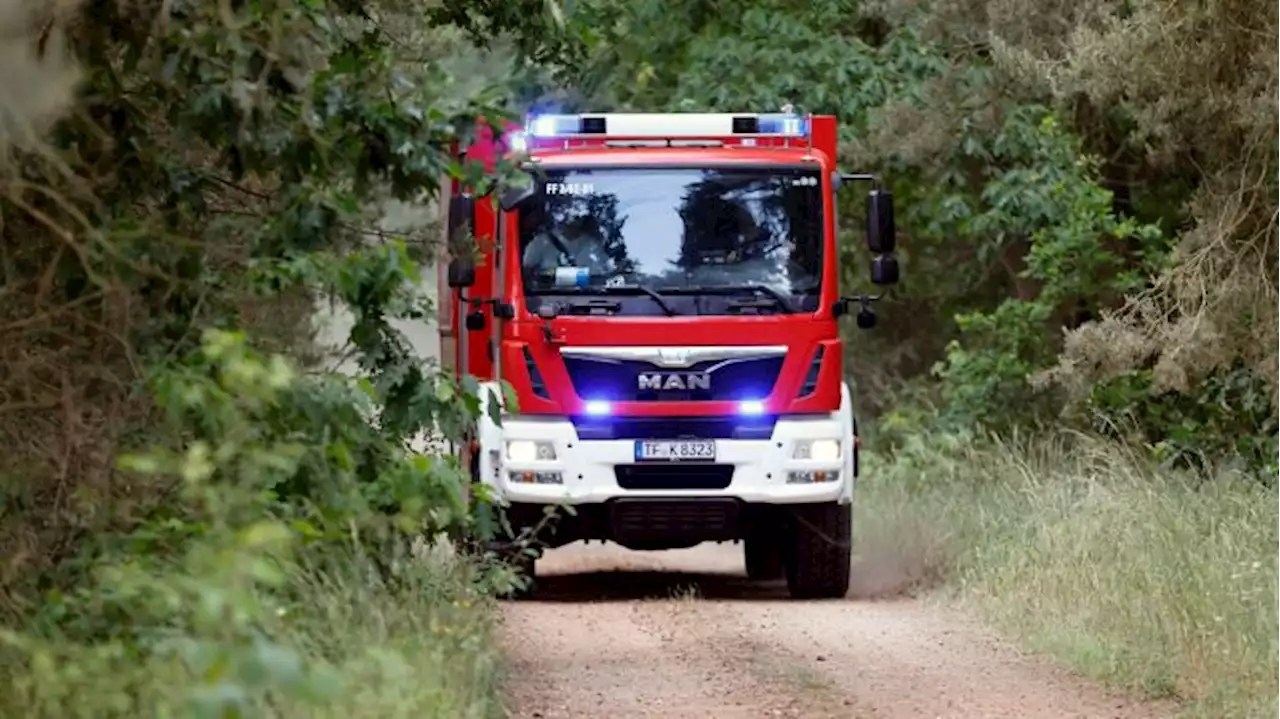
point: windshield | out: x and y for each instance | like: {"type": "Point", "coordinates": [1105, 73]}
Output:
{"type": "Point", "coordinates": [705, 241]}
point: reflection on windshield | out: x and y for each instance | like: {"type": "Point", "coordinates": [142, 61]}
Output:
{"type": "Point", "coordinates": [675, 229]}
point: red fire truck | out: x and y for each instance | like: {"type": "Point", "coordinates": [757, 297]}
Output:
{"type": "Point", "coordinates": [663, 298]}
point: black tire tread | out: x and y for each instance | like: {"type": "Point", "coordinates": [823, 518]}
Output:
{"type": "Point", "coordinates": [817, 566]}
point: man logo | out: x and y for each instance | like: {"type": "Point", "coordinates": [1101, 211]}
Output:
{"type": "Point", "coordinates": [664, 381]}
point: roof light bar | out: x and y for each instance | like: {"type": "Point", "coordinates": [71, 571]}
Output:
{"type": "Point", "coordinates": [668, 125]}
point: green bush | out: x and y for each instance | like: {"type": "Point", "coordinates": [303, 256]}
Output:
{"type": "Point", "coordinates": [1228, 416]}
{"type": "Point", "coordinates": [277, 571]}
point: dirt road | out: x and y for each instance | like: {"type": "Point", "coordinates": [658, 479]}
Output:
{"type": "Point", "coordinates": [683, 635]}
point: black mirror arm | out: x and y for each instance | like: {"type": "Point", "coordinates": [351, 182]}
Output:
{"type": "Point", "coordinates": [861, 177]}
{"type": "Point", "coordinates": [864, 299]}
{"type": "Point", "coordinates": [501, 309]}
{"type": "Point", "coordinates": [866, 317]}
{"type": "Point", "coordinates": [841, 179]}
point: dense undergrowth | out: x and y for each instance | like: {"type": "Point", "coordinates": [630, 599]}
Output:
{"type": "Point", "coordinates": [198, 517]}
{"type": "Point", "coordinates": [273, 580]}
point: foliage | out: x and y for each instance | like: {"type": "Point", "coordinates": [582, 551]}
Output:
{"type": "Point", "coordinates": [201, 145]}
{"type": "Point", "coordinates": [206, 593]}
{"type": "Point", "coordinates": [1189, 140]}
{"type": "Point", "coordinates": [1049, 201]}
{"type": "Point", "coordinates": [1231, 415]}
{"type": "Point", "coordinates": [168, 225]}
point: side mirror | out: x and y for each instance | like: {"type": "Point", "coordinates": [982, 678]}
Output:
{"type": "Point", "coordinates": [462, 273]}
{"type": "Point", "coordinates": [866, 319]}
{"type": "Point", "coordinates": [884, 270]}
{"type": "Point", "coordinates": [881, 233]}
{"type": "Point", "coordinates": [474, 321]}
{"type": "Point", "coordinates": [462, 211]}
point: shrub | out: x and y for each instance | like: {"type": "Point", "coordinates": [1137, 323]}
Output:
{"type": "Point", "coordinates": [287, 517]}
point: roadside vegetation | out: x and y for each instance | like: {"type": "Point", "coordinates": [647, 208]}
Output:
{"type": "Point", "coordinates": [197, 516]}
{"type": "Point", "coordinates": [1073, 392]}
{"type": "Point", "coordinates": [1158, 581]}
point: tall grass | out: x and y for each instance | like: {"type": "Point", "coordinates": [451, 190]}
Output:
{"type": "Point", "coordinates": [343, 645]}
{"type": "Point", "coordinates": [1150, 580]}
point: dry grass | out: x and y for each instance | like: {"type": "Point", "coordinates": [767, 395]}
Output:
{"type": "Point", "coordinates": [1144, 579]}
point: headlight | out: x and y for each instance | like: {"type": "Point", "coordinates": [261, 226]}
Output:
{"type": "Point", "coordinates": [820, 450]}
{"type": "Point", "coordinates": [526, 450]}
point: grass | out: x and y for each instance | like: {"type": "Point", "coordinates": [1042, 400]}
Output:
{"type": "Point", "coordinates": [345, 647]}
{"type": "Point", "coordinates": [1146, 579]}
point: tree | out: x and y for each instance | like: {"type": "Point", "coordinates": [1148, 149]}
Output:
{"type": "Point", "coordinates": [167, 228]}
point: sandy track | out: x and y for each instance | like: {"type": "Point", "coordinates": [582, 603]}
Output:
{"type": "Point", "coordinates": [684, 635]}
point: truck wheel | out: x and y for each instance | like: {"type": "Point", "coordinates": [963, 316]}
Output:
{"type": "Point", "coordinates": [764, 558]}
{"type": "Point", "coordinates": [819, 553]}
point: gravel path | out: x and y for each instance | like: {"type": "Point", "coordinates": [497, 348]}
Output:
{"type": "Point", "coordinates": [684, 635]}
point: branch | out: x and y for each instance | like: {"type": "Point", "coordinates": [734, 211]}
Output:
{"type": "Point", "coordinates": [26, 322]}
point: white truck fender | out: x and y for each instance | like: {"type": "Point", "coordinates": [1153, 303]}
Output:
{"type": "Point", "coordinates": [849, 430]}
{"type": "Point", "coordinates": [489, 436]}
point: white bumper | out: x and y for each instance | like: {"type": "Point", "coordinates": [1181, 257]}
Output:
{"type": "Point", "coordinates": [585, 468]}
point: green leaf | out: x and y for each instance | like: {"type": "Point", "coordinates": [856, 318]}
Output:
{"type": "Point", "coordinates": [493, 408]}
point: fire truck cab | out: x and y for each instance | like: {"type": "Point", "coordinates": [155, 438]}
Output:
{"type": "Point", "coordinates": [663, 301]}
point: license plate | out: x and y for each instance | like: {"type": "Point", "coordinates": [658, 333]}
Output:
{"type": "Point", "coordinates": [677, 450]}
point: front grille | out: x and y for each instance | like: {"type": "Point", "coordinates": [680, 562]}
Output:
{"type": "Point", "coordinates": [748, 378]}
{"type": "Point", "coordinates": [668, 520]}
{"type": "Point", "coordinates": [674, 427]}
{"type": "Point", "coordinates": [674, 476]}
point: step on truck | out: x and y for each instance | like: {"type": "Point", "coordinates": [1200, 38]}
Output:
{"type": "Point", "coordinates": [663, 298]}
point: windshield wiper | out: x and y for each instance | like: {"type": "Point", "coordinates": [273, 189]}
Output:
{"type": "Point", "coordinates": [649, 292]}
{"type": "Point", "coordinates": [646, 290]}
{"type": "Point", "coordinates": [779, 298]}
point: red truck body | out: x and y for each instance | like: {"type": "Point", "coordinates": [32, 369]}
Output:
{"type": "Point", "coordinates": [803, 334]}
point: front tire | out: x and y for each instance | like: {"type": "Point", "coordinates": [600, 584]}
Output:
{"type": "Point", "coordinates": [820, 553]}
